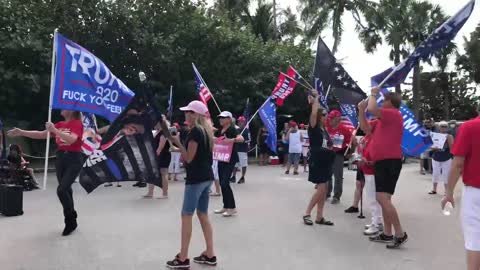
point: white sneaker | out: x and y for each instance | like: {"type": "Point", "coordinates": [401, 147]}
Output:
{"type": "Point", "coordinates": [373, 230]}
{"type": "Point", "coordinates": [220, 211]}
{"type": "Point", "coordinates": [229, 213]}
{"type": "Point", "coordinates": [368, 226]}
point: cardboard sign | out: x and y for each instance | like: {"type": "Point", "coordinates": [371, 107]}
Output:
{"type": "Point", "coordinates": [438, 139]}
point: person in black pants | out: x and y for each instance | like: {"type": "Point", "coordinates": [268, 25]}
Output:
{"type": "Point", "coordinates": [69, 162]}
{"type": "Point", "coordinates": [225, 169]}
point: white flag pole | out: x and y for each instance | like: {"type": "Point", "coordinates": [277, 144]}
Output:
{"type": "Point", "coordinates": [52, 82]}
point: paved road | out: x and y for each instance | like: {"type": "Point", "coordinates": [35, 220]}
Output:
{"type": "Point", "coordinates": [118, 230]}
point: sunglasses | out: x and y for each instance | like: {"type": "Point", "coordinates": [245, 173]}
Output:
{"type": "Point", "coordinates": [188, 111]}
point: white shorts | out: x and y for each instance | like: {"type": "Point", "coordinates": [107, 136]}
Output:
{"type": "Point", "coordinates": [471, 218]}
{"type": "Point", "coordinates": [440, 171]}
{"type": "Point", "coordinates": [215, 169]}
{"type": "Point", "coordinates": [242, 160]}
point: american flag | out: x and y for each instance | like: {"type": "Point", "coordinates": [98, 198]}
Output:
{"type": "Point", "coordinates": [321, 93]}
{"type": "Point", "coordinates": [203, 91]}
{"type": "Point", "coordinates": [91, 139]}
{"type": "Point", "coordinates": [349, 115]}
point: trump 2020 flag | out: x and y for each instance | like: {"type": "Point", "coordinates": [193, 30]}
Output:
{"type": "Point", "coordinates": [202, 88]}
{"type": "Point", "coordinates": [84, 83]}
{"type": "Point", "coordinates": [437, 40]}
{"type": "Point", "coordinates": [416, 138]}
{"type": "Point", "coordinates": [129, 156]}
{"type": "Point", "coordinates": [349, 116]}
{"type": "Point", "coordinates": [268, 114]}
{"type": "Point", "coordinates": [286, 83]}
{"type": "Point", "coordinates": [322, 98]}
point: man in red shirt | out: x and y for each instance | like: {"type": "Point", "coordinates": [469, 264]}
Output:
{"type": "Point", "coordinates": [385, 150]}
{"type": "Point", "coordinates": [341, 136]}
{"type": "Point", "coordinates": [466, 151]}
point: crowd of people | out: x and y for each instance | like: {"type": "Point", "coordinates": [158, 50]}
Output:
{"type": "Point", "coordinates": [322, 145]}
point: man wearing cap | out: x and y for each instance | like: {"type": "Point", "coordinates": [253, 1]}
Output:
{"type": "Point", "coordinates": [466, 151]}
{"type": "Point", "coordinates": [242, 148]}
{"type": "Point", "coordinates": [341, 136]}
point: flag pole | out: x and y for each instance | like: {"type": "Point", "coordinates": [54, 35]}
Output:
{"type": "Point", "coordinates": [52, 81]}
{"type": "Point", "coordinates": [305, 81]}
{"type": "Point", "coordinates": [171, 103]}
{"type": "Point", "coordinates": [255, 114]}
{"type": "Point", "coordinates": [307, 87]}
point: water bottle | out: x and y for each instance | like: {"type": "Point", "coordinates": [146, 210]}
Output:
{"type": "Point", "coordinates": [447, 210]}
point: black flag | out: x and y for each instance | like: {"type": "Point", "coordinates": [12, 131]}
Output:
{"type": "Point", "coordinates": [128, 154]}
{"type": "Point", "coordinates": [333, 75]}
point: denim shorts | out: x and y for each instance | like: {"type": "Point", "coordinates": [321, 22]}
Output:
{"type": "Point", "coordinates": [294, 158]}
{"type": "Point", "coordinates": [196, 197]}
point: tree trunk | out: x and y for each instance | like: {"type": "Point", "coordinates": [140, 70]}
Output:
{"type": "Point", "coordinates": [416, 93]}
{"type": "Point", "coordinates": [275, 20]}
{"type": "Point", "coordinates": [396, 61]}
{"type": "Point", "coordinates": [446, 95]}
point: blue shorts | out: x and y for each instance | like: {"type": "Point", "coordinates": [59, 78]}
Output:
{"type": "Point", "coordinates": [196, 197]}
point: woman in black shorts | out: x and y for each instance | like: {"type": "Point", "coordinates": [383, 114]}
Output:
{"type": "Point", "coordinates": [164, 158]}
{"type": "Point", "coordinates": [321, 161]}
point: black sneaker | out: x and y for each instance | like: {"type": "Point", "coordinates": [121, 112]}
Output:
{"type": "Point", "coordinates": [398, 242]}
{"type": "Point", "coordinates": [142, 184]}
{"type": "Point", "coordinates": [233, 179]}
{"type": "Point", "coordinates": [203, 259]}
{"type": "Point", "coordinates": [177, 264]}
{"type": "Point", "coordinates": [108, 185]}
{"type": "Point", "coordinates": [241, 181]}
{"type": "Point", "coordinates": [70, 226]}
{"type": "Point", "coordinates": [136, 184]}
{"type": "Point", "coordinates": [352, 209]}
{"type": "Point", "coordinates": [382, 238]}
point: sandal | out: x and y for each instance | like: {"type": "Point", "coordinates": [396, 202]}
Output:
{"type": "Point", "coordinates": [323, 221]}
{"type": "Point", "coordinates": [432, 192]}
{"type": "Point", "coordinates": [307, 220]}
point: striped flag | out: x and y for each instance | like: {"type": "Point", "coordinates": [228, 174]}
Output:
{"type": "Point", "coordinates": [170, 104]}
{"type": "Point", "coordinates": [90, 138]}
{"type": "Point", "coordinates": [202, 89]}
{"type": "Point", "coordinates": [126, 157]}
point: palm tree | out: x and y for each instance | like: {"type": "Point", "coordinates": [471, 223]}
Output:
{"type": "Point", "coordinates": [318, 14]}
{"type": "Point", "coordinates": [403, 25]}
{"type": "Point", "coordinates": [262, 23]}
{"type": "Point", "coordinates": [234, 9]}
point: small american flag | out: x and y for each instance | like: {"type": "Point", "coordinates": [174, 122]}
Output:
{"type": "Point", "coordinates": [91, 139]}
{"type": "Point", "coordinates": [203, 91]}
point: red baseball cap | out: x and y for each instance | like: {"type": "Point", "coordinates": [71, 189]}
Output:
{"type": "Point", "coordinates": [302, 125]}
{"type": "Point", "coordinates": [242, 119]}
{"type": "Point", "coordinates": [176, 125]}
{"type": "Point", "coordinates": [334, 114]}
{"type": "Point", "coordinates": [293, 124]}
{"type": "Point", "coordinates": [185, 123]}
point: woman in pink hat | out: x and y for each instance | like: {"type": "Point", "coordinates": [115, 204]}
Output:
{"type": "Point", "coordinates": [198, 163]}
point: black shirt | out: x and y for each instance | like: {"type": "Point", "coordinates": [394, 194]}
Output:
{"type": "Point", "coordinates": [243, 147]}
{"type": "Point", "coordinates": [319, 140]}
{"type": "Point", "coordinates": [230, 133]}
{"type": "Point", "coordinates": [200, 168]}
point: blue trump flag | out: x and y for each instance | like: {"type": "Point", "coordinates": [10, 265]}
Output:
{"type": "Point", "coordinates": [321, 93]}
{"type": "Point", "coordinates": [268, 114]}
{"type": "Point", "coordinates": [84, 83]}
{"type": "Point", "coordinates": [416, 138]}
{"type": "Point", "coordinates": [440, 38]}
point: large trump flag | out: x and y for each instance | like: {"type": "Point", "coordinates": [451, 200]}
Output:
{"type": "Point", "coordinates": [84, 83]}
